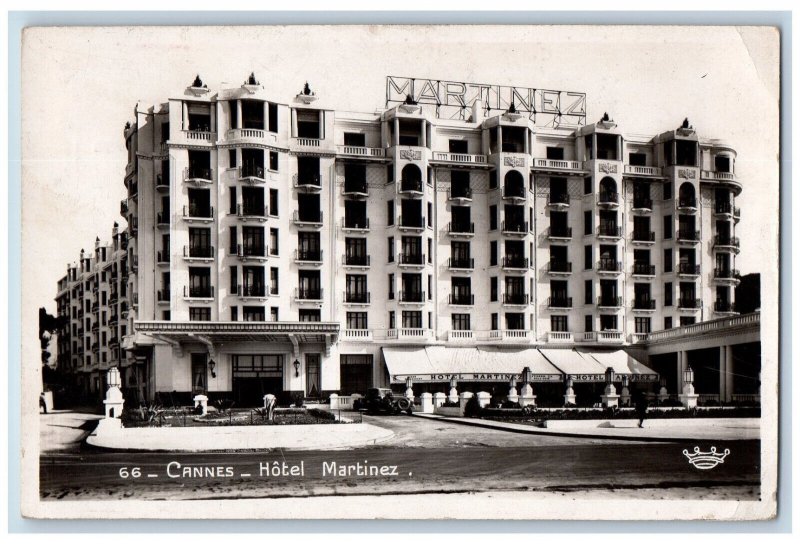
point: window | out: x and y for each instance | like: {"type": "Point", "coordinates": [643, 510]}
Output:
{"type": "Point", "coordinates": [668, 190]}
{"type": "Point", "coordinates": [493, 289]}
{"type": "Point", "coordinates": [558, 323]}
{"type": "Point", "coordinates": [493, 179]}
{"type": "Point", "coordinates": [391, 288]}
{"type": "Point", "coordinates": [495, 322]}
{"type": "Point", "coordinates": [493, 217]}
{"type": "Point", "coordinates": [637, 159]}
{"type": "Point", "coordinates": [493, 253]}
{"type": "Point", "coordinates": [588, 323]}
{"type": "Point", "coordinates": [253, 313]}
{"type": "Point", "coordinates": [430, 214]}
{"type": "Point", "coordinates": [390, 248]}
{"type": "Point", "coordinates": [392, 323]}
{"type": "Point", "coordinates": [412, 320]}
{"type": "Point", "coordinates": [273, 281]}
{"type": "Point", "coordinates": [587, 186]}
{"type": "Point", "coordinates": [357, 320]}
{"type": "Point", "coordinates": [458, 146]}
{"type": "Point", "coordinates": [390, 212]}
{"type": "Point", "coordinates": [642, 325]}
{"type": "Point", "coordinates": [199, 314]}
{"type": "Point", "coordinates": [273, 313]}
{"type": "Point", "coordinates": [234, 313]}
{"type": "Point", "coordinates": [687, 320]}
{"type": "Point", "coordinates": [233, 240]}
{"type": "Point", "coordinates": [555, 153]}
{"type": "Point", "coordinates": [667, 227]}
{"type": "Point", "coordinates": [273, 202]}
{"type": "Point", "coordinates": [355, 139]}
{"type": "Point", "coordinates": [668, 260]}
{"type": "Point", "coordinates": [272, 112]}
{"type": "Point", "coordinates": [200, 283]}
{"type": "Point", "coordinates": [273, 161]}
{"type": "Point", "coordinates": [273, 241]}
{"type": "Point", "coordinates": [587, 258]}
{"type": "Point", "coordinates": [307, 316]}
{"type": "Point", "coordinates": [234, 280]}
{"type": "Point", "coordinates": [232, 158]}
{"type": "Point", "coordinates": [587, 292]}
{"type": "Point", "coordinates": [233, 200]}
{"type": "Point", "coordinates": [587, 222]}
{"type": "Point", "coordinates": [461, 322]}
{"type": "Point", "coordinates": [668, 294]}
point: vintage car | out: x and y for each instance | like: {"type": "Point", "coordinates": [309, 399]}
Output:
{"type": "Point", "coordinates": [380, 400]}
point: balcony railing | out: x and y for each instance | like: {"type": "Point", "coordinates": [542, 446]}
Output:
{"type": "Point", "coordinates": [355, 260]}
{"type": "Point", "coordinates": [308, 255]}
{"type": "Point", "coordinates": [689, 302]}
{"type": "Point", "coordinates": [355, 188]}
{"type": "Point", "coordinates": [515, 262]}
{"type": "Point", "coordinates": [255, 251]}
{"type": "Point", "coordinates": [718, 176]}
{"type": "Point", "coordinates": [411, 222]}
{"type": "Point", "coordinates": [162, 218]}
{"type": "Point", "coordinates": [461, 299]}
{"type": "Point", "coordinates": [161, 182]}
{"type": "Point", "coordinates": [456, 335]}
{"type": "Point", "coordinates": [198, 292]}
{"type": "Point", "coordinates": [644, 304]}
{"type": "Point", "coordinates": [252, 172]}
{"type": "Point", "coordinates": [512, 335]}
{"type": "Point", "coordinates": [559, 232]}
{"type": "Point", "coordinates": [456, 263]}
{"type": "Point", "coordinates": [558, 199]}
{"type": "Point", "coordinates": [559, 302]}
{"type": "Point", "coordinates": [643, 269]}
{"type": "Point", "coordinates": [163, 295]}
{"type": "Point", "coordinates": [644, 236]}
{"type": "Point", "coordinates": [689, 269]}
{"type": "Point", "coordinates": [198, 174]}
{"type": "Point", "coordinates": [463, 158]}
{"type": "Point", "coordinates": [642, 170]}
{"type": "Point", "coordinates": [246, 133]}
{"type": "Point", "coordinates": [308, 182]}
{"type": "Point", "coordinates": [609, 302]}
{"type": "Point", "coordinates": [198, 213]}
{"type": "Point", "coordinates": [359, 151]}
{"type": "Point", "coordinates": [514, 227]}
{"type": "Point", "coordinates": [559, 267]}
{"type": "Point", "coordinates": [516, 298]}
{"type": "Point", "coordinates": [687, 235]}
{"type": "Point", "coordinates": [358, 223]}
{"type": "Point", "coordinates": [461, 228]}
{"type": "Point", "coordinates": [607, 198]}
{"type": "Point", "coordinates": [356, 297]}
{"type": "Point", "coordinates": [727, 274]}
{"type": "Point", "coordinates": [307, 142]}
{"type": "Point", "coordinates": [411, 186]}
{"type": "Point", "coordinates": [200, 135]}
{"type": "Point", "coordinates": [252, 290]}
{"type": "Point", "coordinates": [409, 333]}
{"type": "Point", "coordinates": [308, 294]}
{"type": "Point", "coordinates": [357, 335]}
{"type": "Point", "coordinates": [412, 296]}
{"type": "Point", "coordinates": [514, 191]}
{"type": "Point", "coordinates": [308, 218]}
{"type": "Point", "coordinates": [725, 306]}
{"type": "Point", "coordinates": [642, 203]}
{"type": "Point", "coordinates": [687, 202]}
{"type": "Point", "coordinates": [459, 194]}
{"type": "Point", "coordinates": [556, 164]}
{"type": "Point", "coordinates": [252, 211]}
{"type": "Point", "coordinates": [611, 231]}
{"type": "Point", "coordinates": [609, 265]}
{"type": "Point", "coordinates": [198, 252]}
{"type": "Point", "coordinates": [411, 259]}
{"type": "Point", "coordinates": [726, 241]}
{"type": "Point", "coordinates": [162, 257]}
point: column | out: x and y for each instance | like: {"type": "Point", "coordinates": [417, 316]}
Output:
{"type": "Point", "coordinates": [239, 114]}
{"type": "Point", "coordinates": [294, 122]}
{"type": "Point", "coordinates": [681, 367]}
{"type": "Point", "coordinates": [424, 134]}
{"type": "Point", "coordinates": [729, 371]}
{"type": "Point", "coordinates": [213, 125]}
{"type": "Point", "coordinates": [321, 124]}
{"type": "Point", "coordinates": [184, 115]}
{"type": "Point", "coordinates": [527, 141]}
{"type": "Point", "coordinates": [499, 143]}
{"type": "Point", "coordinates": [723, 372]}
{"type": "Point", "coordinates": [266, 116]}
{"type": "Point", "coordinates": [396, 131]}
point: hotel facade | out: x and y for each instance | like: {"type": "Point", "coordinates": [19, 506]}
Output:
{"type": "Point", "coordinates": [293, 249]}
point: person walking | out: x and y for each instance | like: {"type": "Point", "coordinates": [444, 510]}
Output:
{"type": "Point", "coordinates": [641, 408]}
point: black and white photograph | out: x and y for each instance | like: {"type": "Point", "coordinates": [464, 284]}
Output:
{"type": "Point", "coordinates": [404, 272]}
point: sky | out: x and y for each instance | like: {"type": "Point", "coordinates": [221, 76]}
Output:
{"type": "Point", "coordinates": [81, 85]}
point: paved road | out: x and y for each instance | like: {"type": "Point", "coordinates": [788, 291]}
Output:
{"type": "Point", "coordinates": [429, 457]}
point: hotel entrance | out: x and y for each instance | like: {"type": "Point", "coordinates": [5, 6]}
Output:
{"type": "Point", "coordinates": [255, 376]}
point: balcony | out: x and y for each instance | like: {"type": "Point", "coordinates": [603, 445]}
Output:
{"type": "Point", "coordinates": [609, 231]}
{"type": "Point", "coordinates": [198, 175]}
{"type": "Point", "coordinates": [308, 295]}
{"type": "Point", "coordinates": [162, 184]}
{"type": "Point", "coordinates": [356, 297]}
{"type": "Point", "coordinates": [688, 269]}
{"type": "Point", "coordinates": [248, 212]}
{"type": "Point", "coordinates": [644, 304]}
{"type": "Point", "coordinates": [687, 204]}
{"type": "Point", "coordinates": [726, 243]}
{"type": "Point", "coordinates": [515, 299]}
{"type": "Point", "coordinates": [461, 299]}
{"type": "Point", "coordinates": [198, 253]}
{"type": "Point", "coordinates": [252, 252]}
{"type": "Point", "coordinates": [252, 290]}
{"type": "Point", "coordinates": [308, 257]}
{"type": "Point", "coordinates": [310, 144]}
{"type": "Point", "coordinates": [514, 228]}
{"type": "Point", "coordinates": [309, 183]}
{"type": "Point", "coordinates": [357, 335]}
{"type": "Point", "coordinates": [198, 214]}
{"type": "Point", "coordinates": [609, 302]}
{"type": "Point", "coordinates": [717, 176]}
{"type": "Point", "coordinates": [411, 260]}
{"type": "Point", "coordinates": [460, 336]}
{"type": "Point", "coordinates": [514, 262]}
{"type": "Point", "coordinates": [254, 135]}
{"type": "Point", "coordinates": [463, 264]}
{"type": "Point", "coordinates": [601, 337]}
{"type": "Point", "coordinates": [252, 173]}
{"type": "Point", "coordinates": [162, 296]}
{"type": "Point", "coordinates": [608, 199]}
{"type": "Point", "coordinates": [359, 152]}
{"type": "Point", "coordinates": [644, 269]}
{"type": "Point", "coordinates": [459, 195]}
{"type": "Point", "coordinates": [511, 336]}
{"type": "Point", "coordinates": [412, 297]}
{"type": "Point", "coordinates": [458, 158]}
{"type": "Point", "coordinates": [355, 189]}
{"type": "Point", "coordinates": [359, 224]}
{"type": "Point", "coordinates": [413, 188]}
{"type": "Point", "coordinates": [133, 224]}
{"type": "Point", "coordinates": [724, 307]}
{"type": "Point", "coordinates": [556, 165]}
{"type": "Point", "coordinates": [559, 337]}
{"type": "Point", "coordinates": [409, 334]}
{"type": "Point", "coordinates": [726, 210]}
{"type": "Point", "coordinates": [644, 171]}
{"type": "Point", "coordinates": [162, 220]}
{"type": "Point", "coordinates": [355, 261]}
{"type": "Point", "coordinates": [558, 200]}
{"type": "Point", "coordinates": [200, 136]}
{"type": "Point", "coordinates": [727, 275]}
{"type": "Point", "coordinates": [612, 266]}
{"type": "Point", "coordinates": [411, 223]}
{"type": "Point", "coordinates": [199, 293]}
{"type": "Point", "coordinates": [689, 303]}
{"type": "Point", "coordinates": [559, 302]}
{"type": "Point", "coordinates": [461, 229]}
{"type": "Point", "coordinates": [559, 268]}
{"type": "Point", "coordinates": [686, 236]}
{"type": "Point", "coordinates": [555, 234]}
{"type": "Point", "coordinates": [309, 219]}
{"type": "Point", "coordinates": [642, 205]}
{"type": "Point", "coordinates": [162, 257]}
{"type": "Point", "coordinates": [643, 237]}
{"type": "Point", "coordinates": [514, 192]}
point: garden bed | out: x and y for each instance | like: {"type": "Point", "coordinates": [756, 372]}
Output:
{"type": "Point", "coordinates": [538, 416]}
{"type": "Point", "coordinates": [187, 417]}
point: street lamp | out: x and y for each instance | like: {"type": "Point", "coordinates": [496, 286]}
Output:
{"type": "Point", "coordinates": [211, 366]}
{"type": "Point", "coordinates": [113, 378]}
{"type": "Point", "coordinates": [688, 375]}
{"type": "Point", "coordinates": [296, 368]}
{"type": "Point", "coordinates": [527, 375]}
{"type": "Point", "coordinates": [610, 375]}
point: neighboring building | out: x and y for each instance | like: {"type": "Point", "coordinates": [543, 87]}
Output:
{"type": "Point", "coordinates": [297, 250]}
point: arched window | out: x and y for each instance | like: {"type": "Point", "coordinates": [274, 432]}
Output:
{"type": "Point", "coordinates": [411, 178]}
{"type": "Point", "coordinates": [686, 195]}
{"type": "Point", "coordinates": [608, 186]}
{"type": "Point", "coordinates": [514, 184]}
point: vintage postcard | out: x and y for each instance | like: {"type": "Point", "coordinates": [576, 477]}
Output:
{"type": "Point", "coordinates": [417, 272]}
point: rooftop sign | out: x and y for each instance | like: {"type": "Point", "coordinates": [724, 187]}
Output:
{"type": "Point", "coordinates": [454, 100]}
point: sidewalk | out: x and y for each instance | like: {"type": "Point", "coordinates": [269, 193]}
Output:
{"type": "Point", "coordinates": [654, 430]}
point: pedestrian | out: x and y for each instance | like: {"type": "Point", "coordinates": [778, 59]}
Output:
{"type": "Point", "coordinates": [641, 408]}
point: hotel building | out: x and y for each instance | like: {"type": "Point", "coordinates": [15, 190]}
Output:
{"type": "Point", "coordinates": [293, 249]}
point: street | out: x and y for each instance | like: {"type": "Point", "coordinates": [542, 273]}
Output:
{"type": "Point", "coordinates": [423, 457]}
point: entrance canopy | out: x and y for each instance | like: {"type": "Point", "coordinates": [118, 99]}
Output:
{"type": "Point", "coordinates": [590, 366]}
{"type": "Point", "coordinates": [474, 364]}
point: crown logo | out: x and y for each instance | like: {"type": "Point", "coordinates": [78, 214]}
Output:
{"type": "Point", "coordinates": [706, 460]}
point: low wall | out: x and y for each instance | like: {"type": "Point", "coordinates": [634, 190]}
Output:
{"type": "Point", "coordinates": [109, 434]}
{"type": "Point", "coordinates": [449, 411]}
{"type": "Point", "coordinates": [567, 424]}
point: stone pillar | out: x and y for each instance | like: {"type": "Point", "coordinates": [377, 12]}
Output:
{"type": "Point", "coordinates": [396, 131]}
{"type": "Point", "coordinates": [527, 397]}
{"type": "Point", "coordinates": [453, 396]}
{"type": "Point", "coordinates": [512, 392]}
{"type": "Point", "coordinates": [499, 148]}
{"type": "Point", "coordinates": [409, 390]}
{"type": "Point", "coordinates": [185, 116]}
{"type": "Point", "coordinates": [484, 399]}
{"type": "Point", "coordinates": [625, 394]}
{"type": "Point", "coordinates": [663, 394]}
{"type": "Point", "coordinates": [569, 394]}
{"type": "Point", "coordinates": [202, 401]}
{"type": "Point", "coordinates": [426, 399]}
{"type": "Point", "coordinates": [424, 134]}
{"type": "Point", "coordinates": [729, 373]}
{"type": "Point", "coordinates": [463, 399]}
{"type": "Point", "coordinates": [681, 368]}
{"type": "Point", "coordinates": [610, 398]}
{"type": "Point", "coordinates": [266, 115]}
{"type": "Point", "coordinates": [334, 400]}
{"type": "Point", "coordinates": [439, 399]}
{"type": "Point", "coordinates": [688, 397]}
{"type": "Point", "coordinates": [213, 123]}
{"type": "Point", "coordinates": [239, 114]}
{"type": "Point", "coordinates": [114, 399]}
